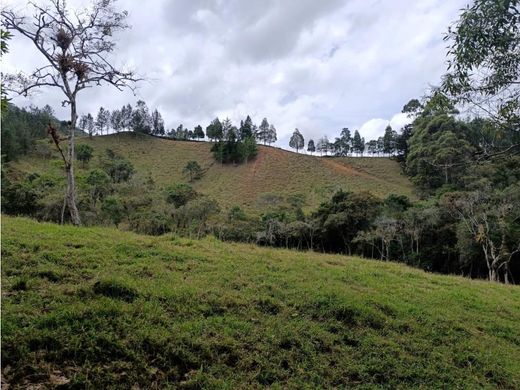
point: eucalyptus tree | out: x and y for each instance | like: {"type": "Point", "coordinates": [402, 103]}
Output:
{"type": "Point", "coordinates": [297, 142]}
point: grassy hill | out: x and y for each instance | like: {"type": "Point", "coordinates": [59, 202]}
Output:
{"type": "Point", "coordinates": [102, 308]}
{"type": "Point", "coordinates": [273, 171]}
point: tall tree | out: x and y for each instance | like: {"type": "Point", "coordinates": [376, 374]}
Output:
{"type": "Point", "coordinates": [358, 144]}
{"type": "Point", "coordinates": [484, 62]}
{"type": "Point", "coordinates": [389, 139]}
{"type": "Point", "coordinates": [228, 132]}
{"type": "Point", "coordinates": [323, 145]}
{"type": "Point", "coordinates": [141, 118]}
{"type": "Point", "coordinates": [4, 48]}
{"type": "Point", "coordinates": [102, 120]}
{"type": "Point", "coordinates": [310, 146]}
{"type": "Point", "coordinates": [246, 128]}
{"type": "Point", "coordinates": [116, 121]}
{"type": "Point", "coordinates": [271, 135]}
{"type": "Point", "coordinates": [297, 142]}
{"type": "Point", "coordinates": [126, 117]}
{"type": "Point", "coordinates": [157, 123]}
{"type": "Point", "coordinates": [74, 45]}
{"type": "Point", "coordinates": [198, 132]}
{"type": "Point", "coordinates": [263, 131]}
{"type": "Point", "coordinates": [214, 130]}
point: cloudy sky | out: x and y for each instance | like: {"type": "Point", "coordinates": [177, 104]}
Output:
{"type": "Point", "coordinates": [315, 65]}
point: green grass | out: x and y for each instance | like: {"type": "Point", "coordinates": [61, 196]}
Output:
{"type": "Point", "coordinates": [101, 308]}
{"type": "Point", "coordinates": [274, 171]}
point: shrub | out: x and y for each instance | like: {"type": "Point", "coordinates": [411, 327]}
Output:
{"type": "Point", "coordinates": [99, 183]}
{"type": "Point", "coordinates": [193, 170]}
{"type": "Point", "coordinates": [180, 194]}
{"type": "Point", "coordinates": [113, 209]}
{"type": "Point", "coordinates": [84, 153]}
{"type": "Point", "coordinates": [149, 222]}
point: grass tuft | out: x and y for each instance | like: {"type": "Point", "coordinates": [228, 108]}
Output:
{"type": "Point", "coordinates": [115, 289]}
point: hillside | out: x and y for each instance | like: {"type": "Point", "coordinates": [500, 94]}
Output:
{"type": "Point", "coordinates": [273, 171]}
{"type": "Point", "coordinates": [102, 308]}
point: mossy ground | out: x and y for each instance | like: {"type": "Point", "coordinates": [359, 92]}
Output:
{"type": "Point", "coordinates": [101, 308]}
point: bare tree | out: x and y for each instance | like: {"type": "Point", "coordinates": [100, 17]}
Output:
{"type": "Point", "coordinates": [75, 45]}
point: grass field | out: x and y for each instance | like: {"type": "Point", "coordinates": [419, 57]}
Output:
{"type": "Point", "coordinates": [101, 308]}
{"type": "Point", "coordinates": [274, 171]}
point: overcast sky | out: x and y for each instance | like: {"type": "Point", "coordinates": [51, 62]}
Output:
{"type": "Point", "coordinates": [315, 65]}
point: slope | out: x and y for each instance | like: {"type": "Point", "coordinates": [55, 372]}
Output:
{"type": "Point", "coordinates": [274, 171]}
{"type": "Point", "coordinates": [101, 308]}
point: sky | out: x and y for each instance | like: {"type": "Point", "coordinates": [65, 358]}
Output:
{"type": "Point", "coordinates": [318, 66]}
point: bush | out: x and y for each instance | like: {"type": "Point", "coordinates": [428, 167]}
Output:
{"type": "Point", "coordinates": [113, 209]}
{"type": "Point", "coordinates": [99, 183]}
{"type": "Point", "coordinates": [150, 222]}
{"type": "Point", "coordinates": [118, 168]}
{"type": "Point", "coordinates": [180, 194]}
{"type": "Point", "coordinates": [19, 198]}
{"type": "Point", "coordinates": [193, 170]}
{"type": "Point", "coordinates": [236, 214]}
{"type": "Point", "coordinates": [84, 153]}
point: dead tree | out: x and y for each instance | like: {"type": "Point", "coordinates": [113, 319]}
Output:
{"type": "Point", "coordinates": [76, 45]}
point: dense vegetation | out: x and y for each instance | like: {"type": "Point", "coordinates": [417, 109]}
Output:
{"type": "Point", "coordinates": [21, 127]}
{"type": "Point", "coordinates": [101, 308]}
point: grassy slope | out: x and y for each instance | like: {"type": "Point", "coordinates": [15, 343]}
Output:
{"type": "Point", "coordinates": [105, 308]}
{"type": "Point", "coordinates": [274, 171]}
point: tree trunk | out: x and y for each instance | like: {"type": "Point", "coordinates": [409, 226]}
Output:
{"type": "Point", "coordinates": [70, 195]}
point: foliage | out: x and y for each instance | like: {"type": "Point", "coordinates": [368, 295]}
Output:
{"type": "Point", "coordinates": [118, 168]}
{"type": "Point", "coordinates": [113, 209]}
{"type": "Point", "coordinates": [296, 142]}
{"type": "Point", "coordinates": [22, 127]}
{"type": "Point", "coordinates": [5, 36]}
{"type": "Point", "coordinates": [439, 149]}
{"type": "Point", "coordinates": [193, 170]}
{"type": "Point", "coordinates": [99, 185]}
{"type": "Point", "coordinates": [84, 153]}
{"type": "Point", "coordinates": [235, 151]}
{"type": "Point", "coordinates": [179, 194]}
{"type": "Point", "coordinates": [214, 130]}
{"type": "Point", "coordinates": [484, 61]}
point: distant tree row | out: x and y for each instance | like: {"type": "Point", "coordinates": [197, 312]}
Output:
{"type": "Point", "coordinates": [128, 118]}
{"type": "Point", "coordinates": [390, 144]}
{"type": "Point", "coordinates": [139, 119]}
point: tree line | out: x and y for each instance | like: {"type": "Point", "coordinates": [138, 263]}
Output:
{"type": "Point", "coordinates": [347, 144]}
